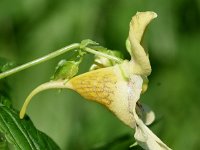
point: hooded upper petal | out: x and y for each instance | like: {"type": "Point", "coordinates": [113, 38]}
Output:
{"type": "Point", "coordinates": [139, 56]}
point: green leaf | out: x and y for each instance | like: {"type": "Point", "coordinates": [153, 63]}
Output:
{"type": "Point", "coordinates": [21, 133]}
{"type": "Point", "coordinates": [65, 70]}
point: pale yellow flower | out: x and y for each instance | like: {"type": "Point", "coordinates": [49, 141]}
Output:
{"type": "Point", "coordinates": [119, 87]}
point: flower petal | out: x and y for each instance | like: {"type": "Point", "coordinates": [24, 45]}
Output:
{"type": "Point", "coordinates": [145, 113]}
{"type": "Point", "coordinates": [146, 138]}
{"type": "Point", "coordinates": [138, 25]}
{"type": "Point", "coordinates": [109, 87]}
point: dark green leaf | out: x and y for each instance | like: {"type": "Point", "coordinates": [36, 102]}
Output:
{"type": "Point", "coordinates": [22, 133]}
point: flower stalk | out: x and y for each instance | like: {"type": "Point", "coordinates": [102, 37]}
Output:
{"type": "Point", "coordinates": [55, 54]}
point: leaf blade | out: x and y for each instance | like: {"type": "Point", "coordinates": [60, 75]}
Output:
{"type": "Point", "coordinates": [22, 133]}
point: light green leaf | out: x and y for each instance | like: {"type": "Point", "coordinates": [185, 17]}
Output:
{"type": "Point", "coordinates": [21, 133]}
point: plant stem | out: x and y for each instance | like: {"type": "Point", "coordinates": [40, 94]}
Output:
{"type": "Point", "coordinates": [39, 60]}
{"type": "Point", "coordinates": [87, 49]}
{"type": "Point", "coordinates": [55, 54]}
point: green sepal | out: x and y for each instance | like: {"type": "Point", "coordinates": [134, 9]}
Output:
{"type": "Point", "coordinates": [65, 70]}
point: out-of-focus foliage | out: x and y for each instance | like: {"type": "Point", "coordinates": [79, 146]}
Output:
{"type": "Point", "coordinates": [29, 29]}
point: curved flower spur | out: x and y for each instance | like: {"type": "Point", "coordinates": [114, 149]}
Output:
{"type": "Point", "coordinates": [118, 87]}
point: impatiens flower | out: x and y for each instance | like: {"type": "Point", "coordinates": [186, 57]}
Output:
{"type": "Point", "coordinates": [119, 87]}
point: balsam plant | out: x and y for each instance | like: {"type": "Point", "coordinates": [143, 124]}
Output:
{"type": "Point", "coordinates": [112, 81]}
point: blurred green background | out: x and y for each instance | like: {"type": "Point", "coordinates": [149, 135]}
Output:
{"type": "Point", "coordinates": [32, 28]}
